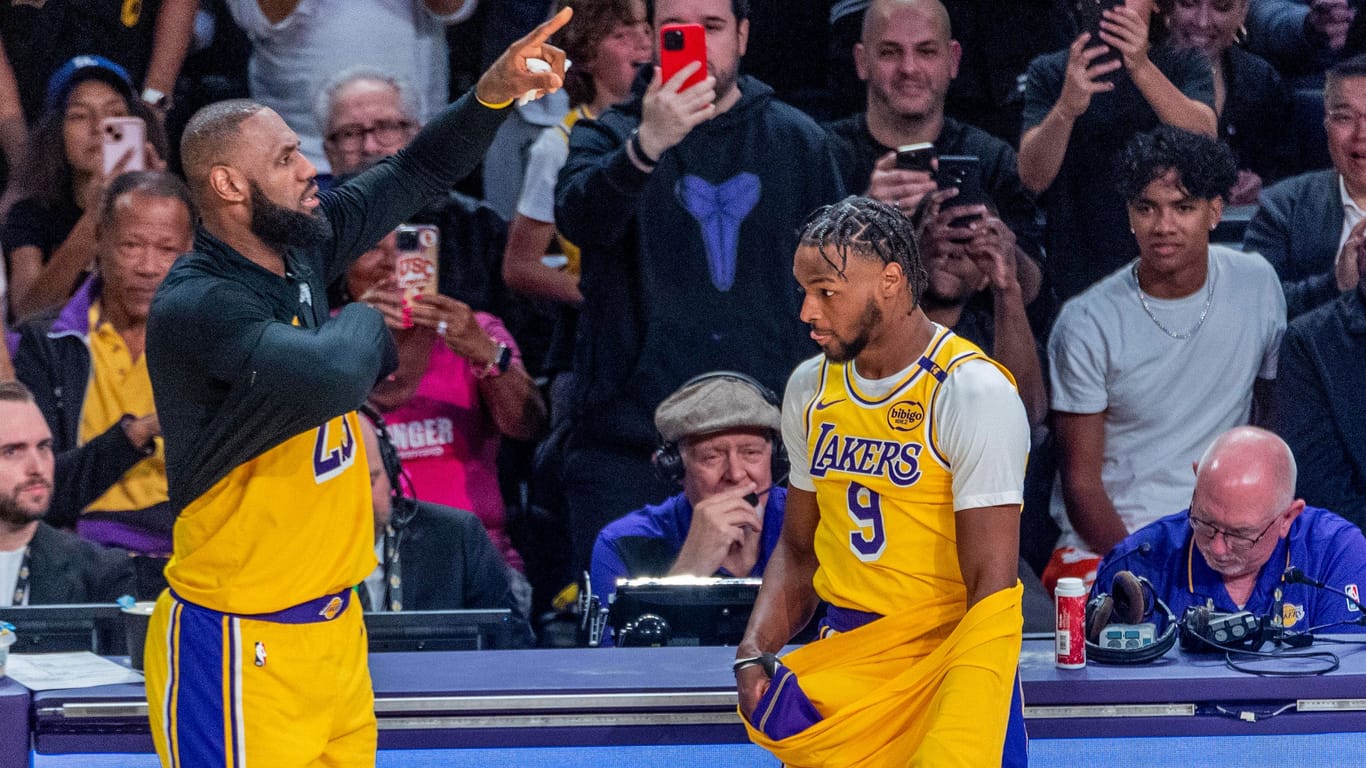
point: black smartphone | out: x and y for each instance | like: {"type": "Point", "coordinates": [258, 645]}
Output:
{"type": "Point", "coordinates": [963, 172]}
{"type": "Point", "coordinates": [1088, 15]}
{"type": "Point", "coordinates": [916, 157]}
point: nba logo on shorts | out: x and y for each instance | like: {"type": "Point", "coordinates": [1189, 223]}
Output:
{"type": "Point", "coordinates": [1355, 594]}
{"type": "Point", "coordinates": [332, 608]}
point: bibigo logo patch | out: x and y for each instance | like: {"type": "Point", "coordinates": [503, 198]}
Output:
{"type": "Point", "coordinates": [905, 415]}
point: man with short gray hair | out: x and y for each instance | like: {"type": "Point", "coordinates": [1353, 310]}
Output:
{"type": "Point", "coordinates": [719, 440]}
{"type": "Point", "coordinates": [1243, 530]}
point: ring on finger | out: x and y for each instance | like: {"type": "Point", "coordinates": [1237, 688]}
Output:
{"type": "Point", "coordinates": [441, 328]}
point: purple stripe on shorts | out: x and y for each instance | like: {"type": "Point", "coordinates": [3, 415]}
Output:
{"type": "Point", "coordinates": [325, 608]}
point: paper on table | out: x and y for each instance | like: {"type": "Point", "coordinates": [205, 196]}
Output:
{"type": "Point", "coordinates": [83, 669]}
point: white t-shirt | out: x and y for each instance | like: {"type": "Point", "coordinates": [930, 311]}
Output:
{"type": "Point", "coordinates": [548, 155]}
{"type": "Point", "coordinates": [1164, 399]}
{"type": "Point", "coordinates": [291, 61]}
{"type": "Point", "coordinates": [9, 575]}
{"type": "Point", "coordinates": [981, 427]}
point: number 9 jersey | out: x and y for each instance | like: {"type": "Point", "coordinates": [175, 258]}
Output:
{"type": "Point", "coordinates": [891, 461]}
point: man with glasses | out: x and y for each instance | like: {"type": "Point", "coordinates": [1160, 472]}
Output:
{"type": "Point", "coordinates": [1243, 529]}
{"type": "Point", "coordinates": [1310, 226]}
{"type": "Point", "coordinates": [366, 114]}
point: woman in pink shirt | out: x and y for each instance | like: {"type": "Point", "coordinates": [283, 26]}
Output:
{"type": "Point", "coordinates": [460, 386]}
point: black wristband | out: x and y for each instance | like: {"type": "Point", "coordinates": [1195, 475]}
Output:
{"type": "Point", "coordinates": [769, 661]}
{"type": "Point", "coordinates": [640, 151]}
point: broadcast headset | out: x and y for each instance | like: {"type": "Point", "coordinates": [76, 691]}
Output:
{"type": "Point", "coordinates": [400, 486]}
{"type": "Point", "coordinates": [1127, 603]}
{"type": "Point", "coordinates": [668, 458]}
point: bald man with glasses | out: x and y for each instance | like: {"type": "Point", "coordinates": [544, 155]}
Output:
{"type": "Point", "coordinates": [1243, 529]}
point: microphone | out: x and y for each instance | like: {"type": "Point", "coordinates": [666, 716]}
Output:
{"type": "Point", "coordinates": [1295, 575]}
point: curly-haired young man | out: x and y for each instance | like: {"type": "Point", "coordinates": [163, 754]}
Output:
{"type": "Point", "coordinates": [1153, 362]}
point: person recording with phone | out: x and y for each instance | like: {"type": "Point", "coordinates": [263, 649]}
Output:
{"type": "Point", "coordinates": [907, 57]}
{"type": "Point", "coordinates": [685, 202]}
{"type": "Point", "coordinates": [720, 442]}
{"type": "Point", "coordinates": [459, 388]}
{"type": "Point", "coordinates": [49, 235]}
{"type": "Point", "coordinates": [1082, 104]}
{"type": "Point", "coordinates": [1233, 548]}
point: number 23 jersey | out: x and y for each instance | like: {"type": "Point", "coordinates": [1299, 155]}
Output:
{"type": "Point", "coordinates": [891, 461]}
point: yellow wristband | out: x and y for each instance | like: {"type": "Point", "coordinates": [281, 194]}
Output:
{"type": "Point", "coordinates": [503, 105]}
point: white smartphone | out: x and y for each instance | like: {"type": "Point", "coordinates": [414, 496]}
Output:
{"type": "Point", "coordinates": [120, 137]}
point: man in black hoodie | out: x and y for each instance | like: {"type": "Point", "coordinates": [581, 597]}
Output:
{"type": "Point", "coordinates": [686, 204]}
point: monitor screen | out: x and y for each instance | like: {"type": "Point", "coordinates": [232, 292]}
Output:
{"type": "Point", "coordinates": [466, 630]}
{"type": "Point", "coordinates": [695, 611]}
{"type": "Point", "coordinates": [96, 627]}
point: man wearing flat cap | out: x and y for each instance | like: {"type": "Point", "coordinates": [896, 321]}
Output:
{"type": "Point", "coordinates": [718, 434]}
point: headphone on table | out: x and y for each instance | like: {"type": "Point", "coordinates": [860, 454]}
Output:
{"type": "Point", "coordinates": [400, 484]}
{"type": "Point", "coordinates": [1127, 603]}
{"type": "Point", "coordinates": [668, 458]}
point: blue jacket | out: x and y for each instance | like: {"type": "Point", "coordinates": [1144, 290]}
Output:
{"type": "Point", "coordinates": [1324, 545]}
{"type": "Point", "coordinates": [647, 541]}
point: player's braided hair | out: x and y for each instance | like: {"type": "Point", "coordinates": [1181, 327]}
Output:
{"type": "Point", "coordinates": [871, 229]}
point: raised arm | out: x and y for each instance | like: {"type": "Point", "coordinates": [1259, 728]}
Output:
{"type": "Point", "coordinates": [1043, 146]}
{"type": "Point", "coordinates": [171, 41]}
{"type": "Point", "coordinates": [1127, 31]}
{"type": "Point", "coordinates": [366, 208]}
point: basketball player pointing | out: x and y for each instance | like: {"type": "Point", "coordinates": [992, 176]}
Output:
{"type": "Point", "coordinates": [257, 652]}
{"type": "Point", "coordinates": [908, 450]}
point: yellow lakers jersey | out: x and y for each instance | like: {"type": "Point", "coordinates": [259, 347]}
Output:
{"type": "Point", "coordinates": [290, 525]}
{"type": "Point", "coordinates": [886, 539]}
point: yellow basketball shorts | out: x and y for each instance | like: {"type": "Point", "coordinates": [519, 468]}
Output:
{"type": "Point", "coordinates": [285, 690]}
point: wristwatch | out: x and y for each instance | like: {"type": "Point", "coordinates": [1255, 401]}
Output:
{"type": "Point", "coordinates": [502, 359]}
{"type": "Point", "coordinates": [156, 99]}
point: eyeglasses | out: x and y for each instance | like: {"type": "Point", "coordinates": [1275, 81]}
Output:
{"type": "Point", "coordinates": [1236, 541]}
{"type": "Point", "coordinates": [350, 138]}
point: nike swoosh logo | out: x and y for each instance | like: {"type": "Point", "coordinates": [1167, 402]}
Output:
{"type": "Point", "coordinates": [822, 405]}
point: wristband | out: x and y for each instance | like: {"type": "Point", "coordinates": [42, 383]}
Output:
{"type": "Point", "coordinates": [639, 151]}
{"type": "Point", "coordinates": [769, 661]}
{"type": "Point", "coordinates": [502, 105]}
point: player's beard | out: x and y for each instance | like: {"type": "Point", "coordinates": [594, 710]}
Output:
{"type": "Point", "coordinates": [844, 351]}
{"type": "Point", "coordinates": [284, 228]}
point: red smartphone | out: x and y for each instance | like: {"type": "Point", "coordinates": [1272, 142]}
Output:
{"type": "Point", "coordinates": [678, 45]}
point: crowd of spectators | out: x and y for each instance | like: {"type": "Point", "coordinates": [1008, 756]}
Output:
{"type": "Point", "coordinates": [633, 233]}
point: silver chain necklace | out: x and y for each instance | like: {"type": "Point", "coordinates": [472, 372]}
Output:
{"type": "Point", "coordinates": [1209, 299]}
